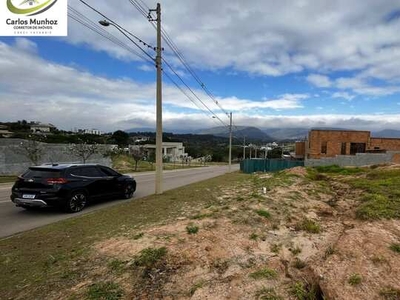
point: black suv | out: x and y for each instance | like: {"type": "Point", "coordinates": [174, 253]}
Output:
{"type": "Point", "coordinates": [69, 186]}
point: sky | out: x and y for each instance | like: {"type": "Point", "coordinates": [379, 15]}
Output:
{"type": "Point", "coordinates": [273, 64]}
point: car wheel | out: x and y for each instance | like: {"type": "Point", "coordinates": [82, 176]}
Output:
{"type": "Point", "coordinates": [76, 202]}
{"type": "Point", "coordinates": [128, 191]}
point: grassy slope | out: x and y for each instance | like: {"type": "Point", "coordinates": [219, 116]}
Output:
{"type": "Point", "coordinates": [39, 261]}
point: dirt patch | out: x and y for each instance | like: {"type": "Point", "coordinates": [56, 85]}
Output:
{"type": "Point", "coordinates": [363, 250]}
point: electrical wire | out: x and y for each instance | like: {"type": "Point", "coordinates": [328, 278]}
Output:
{"type": "Point", "coordinates": [83, 20]}
{"type": "Point", "coordinates": [141, 7]}
{"type": "Point", "coordinates": [80, 18]}
{"type": "Point", "coordinates": [188, 96]}
{"type": "Point", "coordinates": [120, 29]}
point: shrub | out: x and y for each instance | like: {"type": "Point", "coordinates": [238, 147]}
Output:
{"type": "Point", "coordinates": [264, 273]}
{"type": "Point", "coordinates": [309, 226]}
{"type": "Point", "coordinates": [395, 247]}
{"type": "Point", "coordinates": [299, 264]}
{"type": "Point", "coordinates": [355, 279]}
{"type": "Point", "coordinates": [192, 229]}
{"type": "Point", "coordinates": [150, 256]}
{"type": "Point", "coordinates": [263, 213]}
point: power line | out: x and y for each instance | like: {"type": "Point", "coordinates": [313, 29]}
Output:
{"type": "Point", "coordinates": [83, 20]}
{"type": "Point", "coordinates": [179, 54]}
{"type": "Point", "coordinates": [120, 28]}
{"type": "Point", "coordinates": [187, 86]}
{"type": "Point", "coordinates": [188, 96]}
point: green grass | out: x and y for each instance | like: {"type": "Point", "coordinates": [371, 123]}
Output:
{"type": "Point", "coordinates": [381, 198]}
{"type": "Point", "coordinates": [192, 229]}
{"type": "Point", "coordinates": [117, 266]}
{"type": "Point", "coordinates": [329, 251]}
{"type": "Point", "coordinates": [150, 256]}
{"type": "Point", "coordinates": [299, 264]}
{"type": "Point", "coordinates": [304, 291]}
{"type": "Point", "coordinates": [42, 257]}
{"type": "Point", "coordinates": [8, 179]}
{"type": "Point", "coordinates": [335, 169]}
{"type": "Point", "coordinates": [276, 248]}
{"type": "Point", "coordinates": [104, 291]}
{"type": "Point", "coordinates": [138, 236]}
{"type": "Point", "coordinates": [263, 213]}
{"type": "Point", "coordinates": [395, 247]}
{"type": "Point", "coordinates": [295, 250]}
{"type": "Point", "coordinates": [198, 285]}
{"type": "Point", "coordinates": [253, 236]}
{"type": "Point", "coordinates": [354, 279]}
{"type": "Point", "coordinates": [308, 226]}
{"type": "Point", "coordinates": [267, 294]}
{"type": "Point", "coordinates": [264, 273]}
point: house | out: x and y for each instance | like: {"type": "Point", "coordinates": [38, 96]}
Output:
{"type": "Point", "coordinates": [37, 127]}
{"type": "Point", "coordinates": [4, 131]}
{"type": "Point", "coordinates": [171, 150]}
{"type": "Point", "coordinates": [92, 131]}
{"type": "Point", "coordinates": [333, 143]}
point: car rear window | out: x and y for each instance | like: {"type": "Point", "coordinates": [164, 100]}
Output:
{"type": "Point", "coordinates": [42, 173]}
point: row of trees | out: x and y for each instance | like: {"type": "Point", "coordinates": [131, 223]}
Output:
{"type": "Point", "coordinates": [34, 150]}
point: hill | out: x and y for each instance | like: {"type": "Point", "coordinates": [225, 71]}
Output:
{"type": "Point", "coordinates": [280, 134]}
{"type": "Point", "coordinates": [387, 133]}
{"type": "Point", "coordinates": [250, 132]}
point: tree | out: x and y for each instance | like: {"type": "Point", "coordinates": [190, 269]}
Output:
{"type": "Point", "coordinates": [32, 149]}
{"type": "Point", "coordinates": [121, 138]}
{"type": "Point", "coordinates": [275, 153]}
{"type": "Point", "coordinates": [83, 150]}
{"type": "Point", "coordinates": [138, 154]}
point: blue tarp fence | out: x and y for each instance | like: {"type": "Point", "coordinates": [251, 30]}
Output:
{"type": "Point", "coordinates": [268, 165]}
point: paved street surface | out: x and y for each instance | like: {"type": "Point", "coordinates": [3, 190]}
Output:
{"type": "Point", "coordinates": [15, 219]}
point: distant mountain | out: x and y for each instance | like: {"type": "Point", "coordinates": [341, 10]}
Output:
{"type": "Point", "coordinates": [251, 133]}
{"type": "Point", "coordinates": [386, 133]}
{"type": "Point", "coordinates": [279, 134]}
{"type": "Point", "coordinates": [153, 129]}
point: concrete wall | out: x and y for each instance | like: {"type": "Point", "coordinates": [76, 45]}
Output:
{"type": "Point", "coordinates": [14, 162]}
{"type": "Point", "coordinates": [358, 160]}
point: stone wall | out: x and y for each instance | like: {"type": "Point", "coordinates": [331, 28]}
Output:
{"type": "Point", "coordinates": [358, 160]}
{"type": "Point", "coordinates": [14, 162]}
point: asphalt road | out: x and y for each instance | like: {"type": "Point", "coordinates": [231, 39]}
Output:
{"type": "Point", "coordinates": [15, 219]}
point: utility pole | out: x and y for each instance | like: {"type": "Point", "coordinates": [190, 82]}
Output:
{"type": "Point", "coordinates": [230, 140]}
{"type": "Point", "coordinates": [159, 157]}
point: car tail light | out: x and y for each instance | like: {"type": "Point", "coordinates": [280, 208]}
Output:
{"type": "Point", "coordinates": [56, 180]}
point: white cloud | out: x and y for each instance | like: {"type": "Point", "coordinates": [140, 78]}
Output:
{"type": "Point", "coordinates": [71, 98]}
{"type": "Point", "coordinates": [319, 80]}
{"type": "Point", "coordinates": [26, 45]}
{"type": "Point", "coordinates": [146, 68]}
{"type": "Point", "coordinates": [317, 35]}
{"type": "Point", "coordinates": [343, 95]}
{"type": "Point", "coordinates": [268, 37]}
